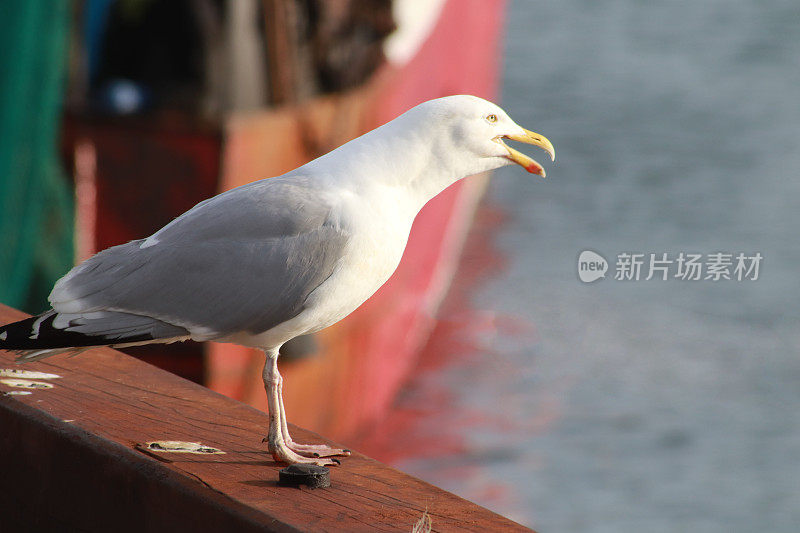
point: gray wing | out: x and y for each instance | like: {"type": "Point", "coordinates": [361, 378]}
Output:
{"type": "Point", "coordinates": [245, 260]}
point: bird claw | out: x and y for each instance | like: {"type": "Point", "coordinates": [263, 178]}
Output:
{"type": "Point", "coordinates": [286, 451]}
{"type": "Point", "coordinates": [317, 450]}
{"type": "Point", "coordinates": [285, 455]}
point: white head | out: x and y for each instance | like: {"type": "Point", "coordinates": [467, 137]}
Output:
{"type": "Point", "coordinates": [469, 131]}
{"type": "Point", "coordinates": [431, 146]}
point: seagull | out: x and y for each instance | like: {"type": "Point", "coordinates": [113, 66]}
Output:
{"type": "Point", "coordinates": [281, 257]}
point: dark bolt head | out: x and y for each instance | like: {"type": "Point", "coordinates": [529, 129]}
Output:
{"type": "Point", "coordinates": [313, 476]}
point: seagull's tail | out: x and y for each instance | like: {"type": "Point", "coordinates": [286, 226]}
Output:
{"type": "Point", "coordinates": [53, 333]}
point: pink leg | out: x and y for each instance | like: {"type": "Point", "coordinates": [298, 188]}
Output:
{"type": "Point", "coordinates": [279, 442]}
{"type": "Point", "coordinates": [308, 450]}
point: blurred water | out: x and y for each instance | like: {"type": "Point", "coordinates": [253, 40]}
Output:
{"type": "Point", "coordinates": [639, 406]}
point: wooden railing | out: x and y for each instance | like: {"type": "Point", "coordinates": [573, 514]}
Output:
{"type": "Point", "coordinates": [74, 456]}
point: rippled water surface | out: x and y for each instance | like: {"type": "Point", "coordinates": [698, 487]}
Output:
{"type": "Point", "coordinates": [628, 406]}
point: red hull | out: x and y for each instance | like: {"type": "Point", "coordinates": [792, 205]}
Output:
{"type": "Point", "coordinates": [365, 358]}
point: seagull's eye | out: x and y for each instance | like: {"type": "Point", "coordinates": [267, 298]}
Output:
{"type": "Point", "coordinates": [491, 119]}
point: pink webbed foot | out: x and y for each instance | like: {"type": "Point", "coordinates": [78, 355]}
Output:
{"type": "Point", "coordinates": [282, 453]}
{"type": "Point", "coordinates": [316, 450]}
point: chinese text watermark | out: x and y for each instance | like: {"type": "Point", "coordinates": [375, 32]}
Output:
{"type": "Point", "coordinates": [684, 266]}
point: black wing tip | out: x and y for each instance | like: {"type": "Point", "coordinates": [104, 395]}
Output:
{"type": "Point", "coordinates": [26, 334]}
{"type": "Point", "coordinates": [14, 336]}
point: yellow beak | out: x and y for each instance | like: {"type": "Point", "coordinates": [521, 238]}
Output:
{"type": "Point", "coordinates": [523, 160]}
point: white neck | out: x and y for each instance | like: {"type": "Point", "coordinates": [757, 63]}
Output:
{"type": "Point", "coordinates": [419, 161]}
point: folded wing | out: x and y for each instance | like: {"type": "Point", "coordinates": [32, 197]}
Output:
{"type": "Point", "coordinates": [243, 261]}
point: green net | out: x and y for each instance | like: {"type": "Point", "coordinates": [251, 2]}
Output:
{"type": "Point", "coordinates": [36, 221]}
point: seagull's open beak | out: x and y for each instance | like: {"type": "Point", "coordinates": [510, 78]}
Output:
{"type": "Point", "coordinates": [523, 160]}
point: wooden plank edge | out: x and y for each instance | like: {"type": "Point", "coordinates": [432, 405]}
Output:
{"type": "Point", "coordinates": [59, 476]}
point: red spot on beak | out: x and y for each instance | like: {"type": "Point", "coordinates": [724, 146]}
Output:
{"type": "Point", "coordinates": [535, 168]}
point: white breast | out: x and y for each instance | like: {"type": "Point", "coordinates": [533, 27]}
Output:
{"type": "Point", "coordinates": [379, 224]}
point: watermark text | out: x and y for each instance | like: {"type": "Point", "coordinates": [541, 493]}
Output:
{"type": "Point", "coordinates": [683, 266]}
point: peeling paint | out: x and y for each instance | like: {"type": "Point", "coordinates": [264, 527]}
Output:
{"type": "Point", "coordinates": [177, 446]}
{"type": "Point", "coordinates": [26, 384]}
{"type": "Point", "coordinates": [26, 374]}
{"type": "Point", "coordinates": [17, 393]}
